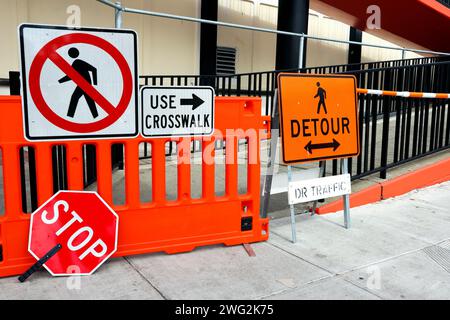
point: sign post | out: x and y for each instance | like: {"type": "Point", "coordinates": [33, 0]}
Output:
{"type": "Point", "coordinates": [346, 197]}
{"type": "Point", "coordinates": [318, 121]}
{"type": "Point", "coordinates": [78, 83]}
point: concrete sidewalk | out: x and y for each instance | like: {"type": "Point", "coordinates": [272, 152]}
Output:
{"type": "Point", "coordinates": [396, 249]}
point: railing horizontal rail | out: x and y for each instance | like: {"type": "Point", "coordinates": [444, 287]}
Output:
{"type": "Point", "coordinates": [118, 7]}
{"type": "Point", "coordinates": [393, 129]}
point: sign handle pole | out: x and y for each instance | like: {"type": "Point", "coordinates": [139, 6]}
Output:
{"type": "Point", "coordinates": [35, 267]}
{"type": "Point", "coordinates": [346, 198]}
{"type": "Point", "coordinates": [321, 175]}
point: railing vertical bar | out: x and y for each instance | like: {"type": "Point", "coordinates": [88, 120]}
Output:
{"type": "Point", "coordinates": [408, 129]}
{"type": "Point", "coordinates": [361, 104]}
{"type": "Point", "coordinates": [425, 126]}
{"type": "Point", "coordinates": [403, 136]}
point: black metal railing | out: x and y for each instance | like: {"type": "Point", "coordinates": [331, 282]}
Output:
{"type": "Point", "coordinates": [263, 84]}
{"type": "Point", "coordinates": [445, 2]}
{"type": "Point", "coordinates": [393, 130]}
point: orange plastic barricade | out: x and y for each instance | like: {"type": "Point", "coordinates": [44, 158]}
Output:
{"type": "Point", "coordinates": [160, 225]}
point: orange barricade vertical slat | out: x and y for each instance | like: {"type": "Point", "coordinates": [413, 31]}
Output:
{"type": "Point", "coordinates": [75, 166]}
{"type": "Point", "coordinates": [159, 171]}
{"type": "Point", "coordinates": [132, 173]}
{"type": "Point", "coordinates": [184, 169]}
{"type": "Point", "coordinates": [208, 153]}
{"type": "Point", "coordinates": [231, 166]}
{"type": "Point", "coordinates": [104, 171]}
{"type": "Point", "coordinates": [253, 165]}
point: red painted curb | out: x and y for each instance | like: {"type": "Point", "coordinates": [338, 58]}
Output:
{"type": "Point", "coordinates": [424, 177]}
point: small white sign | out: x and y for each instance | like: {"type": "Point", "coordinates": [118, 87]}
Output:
{"type": "Point", "coordinates": [319, 188]}
{"type": "Point", "coordinates": [78, 83]}
{"type": "Point", "coordinates": [177, 111]}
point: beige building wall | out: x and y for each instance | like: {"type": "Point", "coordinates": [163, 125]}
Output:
{"type": "Point", "coordinates": [325, 53]}
{"type": "Point", "coordinates": [172, 46]}
{"type": "Point", "coordinates": [255, 50]}
{"type": "Point", "coordinates": [369, 54]}
{"type": "Point", "coordinates": [165, 46]}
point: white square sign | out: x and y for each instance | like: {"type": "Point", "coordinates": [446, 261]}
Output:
{"type": "Point", "coordinates": [177, 111]}
{"type": "Point", "coordinates": [78, 83]}
{"type": "Point", "coordinates": [319, 188]}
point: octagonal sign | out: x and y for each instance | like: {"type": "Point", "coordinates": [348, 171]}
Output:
{"type": "Point", "coordinates": [82, 223]}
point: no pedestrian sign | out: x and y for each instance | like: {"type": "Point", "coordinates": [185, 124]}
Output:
{"type": "Point", "coordinates": [318, 117]}
{"type": "Point", "coordinates": [177, 111]}
{"type": "Point", "coordinates": [78, 83]}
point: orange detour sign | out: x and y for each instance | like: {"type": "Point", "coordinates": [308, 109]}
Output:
{"type": "Point", "coordinates": [318, 116]}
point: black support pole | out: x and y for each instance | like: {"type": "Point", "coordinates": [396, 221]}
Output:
{"type": "Point", "coordinates": [292, 17]}
{"type": "Point", "coordinates": [354, 50]}
{"type": "Point", "coordinates": [208, 38]}
{"type": "Point", "coordinates": [14, 83]}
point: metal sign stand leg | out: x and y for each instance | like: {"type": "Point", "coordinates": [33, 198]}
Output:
{"type": "Point", "coordinates": [292, 209]}
{"type": "Point", "coordinates": [346, 198]}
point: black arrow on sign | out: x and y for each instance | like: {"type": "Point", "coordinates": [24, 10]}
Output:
{"type": "Point", "coordinates": [195, 102]}
{"type": "Point", "coordinates": [310, 146]}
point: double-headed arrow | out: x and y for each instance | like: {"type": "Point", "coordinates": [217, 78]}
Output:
{"type": "Point", "coordinates": [310, 146]}
{"type": "Point", "coordinates": [195, 102]}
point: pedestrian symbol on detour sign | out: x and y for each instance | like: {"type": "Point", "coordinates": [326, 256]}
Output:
{"type": "Point", "coordinates": [177, 111]}
{"type": "Point", "coordinates": [318, 116]}
{"type": "Point", "coordinates": [78, 83]}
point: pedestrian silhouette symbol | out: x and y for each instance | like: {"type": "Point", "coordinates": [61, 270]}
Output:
{"type": "Point", "coordinates": [322, 94]}
{"type": "Point", "coordinates": [85, 70]}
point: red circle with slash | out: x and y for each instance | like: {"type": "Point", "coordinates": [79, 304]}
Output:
{"type": "Point", "coordinates": [49, 52]}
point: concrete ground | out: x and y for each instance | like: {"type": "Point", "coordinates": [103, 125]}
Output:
{"type": "Point", "coordinates": [396, 249]}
